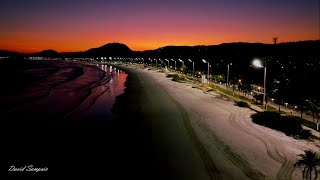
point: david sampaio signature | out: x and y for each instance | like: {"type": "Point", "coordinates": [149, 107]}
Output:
{"type": "Point", "coordinates": [29, 168]}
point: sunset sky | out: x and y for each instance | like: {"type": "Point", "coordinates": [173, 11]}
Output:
{"type": "Point", "coordinates": [77, 25]}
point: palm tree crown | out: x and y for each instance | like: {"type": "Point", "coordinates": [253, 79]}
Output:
{"type": "Point", "coordinates": [309, 160]}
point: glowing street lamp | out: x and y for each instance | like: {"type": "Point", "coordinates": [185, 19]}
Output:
{"type": "Point", "coordinates": [156, 62]}
{"type": "Point", "coordinates": [318, 108]}
{"type": "Point", "coordinates": [181, 61]}
{"type": "Point", "coordinates": [312, 104]}
{"type": "Point", "coordinates": [182, 64]}
{"type": "Point", "coordinates": [204, 61]}
{"type": "Point", "coordinates": [257, 63]}
{"type": "Point", "coordinates": [175, 63]}
{"type": "Point", "coordinates": [228, 75]}
{"type": "Point", "coordinates": [192, 67]}
{"type": "Point", "coordinates": [161, 62]}
{"type": "Point", "coordinates": [168, 62]}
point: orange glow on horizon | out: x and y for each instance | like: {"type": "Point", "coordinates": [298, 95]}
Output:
{"type": "Point", "coordinates": [140, 39]}
{"type": "Point", "coordinates": [146, 25]}
{"type": "Point", "coordinates": [136, 45]}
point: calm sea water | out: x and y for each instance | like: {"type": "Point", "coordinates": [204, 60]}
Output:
{"type": "Point", "coordinates": [105, 94]}
{"type": "Point", "coordinates": [43, 117]}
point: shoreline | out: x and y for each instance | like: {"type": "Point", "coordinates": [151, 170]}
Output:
{"type": "Point", "coordinates": [40, 135]}
{"type": "Point", "coordinates": [163, 160]}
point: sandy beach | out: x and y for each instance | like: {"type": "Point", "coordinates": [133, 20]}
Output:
{"type": "Point", "coordinates": [160, 129]}
{"type": "Point", "coordinates": [197, 135]}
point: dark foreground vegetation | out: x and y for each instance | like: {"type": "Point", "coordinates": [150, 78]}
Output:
{"type": "Point", "coordinates": [290, 125]}
{"type": "Point", "coordinates": [242, 104]}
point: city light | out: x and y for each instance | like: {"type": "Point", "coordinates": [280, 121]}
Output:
{"type": "Point", "coordinates": [257, 63]}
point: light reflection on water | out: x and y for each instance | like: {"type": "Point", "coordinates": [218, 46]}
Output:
{"type": "Point", "coordinates": [100, 111]}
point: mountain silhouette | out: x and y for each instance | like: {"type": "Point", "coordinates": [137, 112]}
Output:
{"type": "Point", "coordinates": [47, 53]}
{"type": "Point", "coordinates": [4, 53]}
{"type": "Point", "coordinates": [237, 50]}
{"type": "Point", "coordinates": [111, 49]}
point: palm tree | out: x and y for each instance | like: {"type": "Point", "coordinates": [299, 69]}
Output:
{"type": "Point", "coordinates": [309, 160]}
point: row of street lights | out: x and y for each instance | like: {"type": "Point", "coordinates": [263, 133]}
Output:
{"type": "Point", "coordinates": [256, 63]}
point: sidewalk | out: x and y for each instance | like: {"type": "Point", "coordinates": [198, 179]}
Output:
{"type": "Point", "coordinates": [283, 108]}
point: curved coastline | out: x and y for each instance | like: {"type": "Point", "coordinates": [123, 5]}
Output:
{"type": "Point", "coordinates": [52, 137]}
{"type": "Point", "coordinates": [160, 129]}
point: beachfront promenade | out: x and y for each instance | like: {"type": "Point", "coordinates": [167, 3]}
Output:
{"type": "Point", "coordinates": [284, 109]}
{"type": "Point", "coordinates": [202, 135]}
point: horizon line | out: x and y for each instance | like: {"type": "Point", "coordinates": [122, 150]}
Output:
{"type": "Point", "coordinates": [32, 52]}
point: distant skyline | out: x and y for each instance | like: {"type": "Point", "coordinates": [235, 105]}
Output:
{"type": "Point", "coordinates": [65, 26]}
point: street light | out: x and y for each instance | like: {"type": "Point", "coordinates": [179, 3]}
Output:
{"type": "Point", "coordinates": [182, 62]}
{"type": "Point", "coordinates": [228, 75]}
{"type": "Point", "coordinates": [313, 104]}
{"type": "Point", "coordinates": [317, 110]}
{"type": "Point", "coordinates": [175, 64]}
{"type": "Point", "coordinates": [168, 63]}
{"type": "Point", "coordinates": [192, 68]}
{"type": "Point", "coordinates": [257, 63]}
{"type": "Point", "coordinates": [161, 62]}
{"type": "Point", "coordinates": [156, 62]}
{"type": "Point", "coordinates": [204, 61]}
